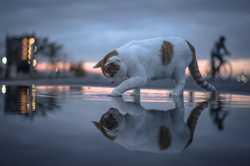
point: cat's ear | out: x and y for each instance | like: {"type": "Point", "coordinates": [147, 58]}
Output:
{"type": "Point", "coordinates": [105, 58]}
{"type": "Point", "coordinates": [97, 125]}
{"type": "Point", "coordinates": [99, 64]}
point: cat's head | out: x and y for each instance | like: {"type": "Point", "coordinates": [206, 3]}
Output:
{"type": "Point", "coordinates": [109, 123]}
{"type": "Point", "coordinates": [112, 66]}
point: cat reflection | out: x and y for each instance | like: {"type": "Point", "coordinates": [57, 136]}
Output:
{"type": "Point", "coordinates": [139, 129]}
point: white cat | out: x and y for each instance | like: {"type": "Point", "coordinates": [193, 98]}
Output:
{"type": "Point", "coordinates": [138, 62]}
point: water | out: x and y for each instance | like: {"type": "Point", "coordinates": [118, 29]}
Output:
{"type": "Point", "coordinates": [60, 125]}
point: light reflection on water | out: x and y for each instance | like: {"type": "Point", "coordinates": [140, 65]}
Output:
{"type": "Point", "coordinates": [159, 96]}
{"type": "Point", "coordinates": [25, 100]}
{"type": "Point", "coordinates": [31, 100]}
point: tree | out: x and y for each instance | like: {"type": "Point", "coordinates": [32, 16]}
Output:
{"type": "Point", "coordinates": [49, 49]}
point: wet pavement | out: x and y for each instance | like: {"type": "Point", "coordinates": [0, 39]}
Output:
{"type": "Point", "coordinates": [73, 125]}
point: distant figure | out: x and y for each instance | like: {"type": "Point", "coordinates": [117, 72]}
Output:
{"type": "Point", "coordinates": [217, 54]}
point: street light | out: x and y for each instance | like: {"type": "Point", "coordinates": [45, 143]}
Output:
{"type": "Point", "coordinates": [3, 89]}
{"type": "Point", "coordinates": [34, 62]}
{"type": "Point", "coordinates": [4, 60]}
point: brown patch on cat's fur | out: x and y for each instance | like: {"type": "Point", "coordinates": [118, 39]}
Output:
{"type": "Point", "coordinates": [103, 61]}
{"type": "Point", "coordinates": [166, 52]}
{"type": "Point", "coordinates": [164, 138]}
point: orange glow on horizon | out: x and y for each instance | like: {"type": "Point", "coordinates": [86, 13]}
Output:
{"type": "Point", "coordinates": [239, 66]}
{"type": "Point", "coordinates": [47, 67]}
{"type": "Point", "coordinates": [88, 66]}
{"type": "Point", "coordinates": [52, 88]}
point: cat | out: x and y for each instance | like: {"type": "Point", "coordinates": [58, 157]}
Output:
{"type": "Point", "coordinates": [137, 62]}
{"type": "Point", "coordinates": [132, 126]}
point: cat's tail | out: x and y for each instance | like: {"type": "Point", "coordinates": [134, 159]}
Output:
{"type": "Point", "coordinates": [194, 71]}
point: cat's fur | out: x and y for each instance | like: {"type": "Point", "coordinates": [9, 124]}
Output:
{"type": "Point", "coordinates": [138, 62]}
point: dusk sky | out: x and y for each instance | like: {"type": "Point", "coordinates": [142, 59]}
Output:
{"type": "Point", "coordinates": [88, 29]}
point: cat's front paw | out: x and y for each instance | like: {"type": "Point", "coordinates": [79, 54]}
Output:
{"type": "Point", "coordinates": [135, 93]}
{"type": "Point", "coordinates": [115, 93]}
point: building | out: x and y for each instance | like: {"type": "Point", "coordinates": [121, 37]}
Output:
{"type": "Point", "coordinates": [19, 53]}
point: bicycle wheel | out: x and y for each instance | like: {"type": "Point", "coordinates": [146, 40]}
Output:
{"type": "Point", "coordinates": [225, 71]}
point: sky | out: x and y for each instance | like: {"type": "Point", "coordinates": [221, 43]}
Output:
{"type": "Point", "coordinates": [89, 29]}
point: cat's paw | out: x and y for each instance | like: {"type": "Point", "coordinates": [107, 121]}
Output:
{"type": "Point", "coordinates": [115, 93]}
{"type": "Point", "coordinates": [135, 94]}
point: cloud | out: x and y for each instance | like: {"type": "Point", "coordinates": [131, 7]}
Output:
{"type": "Point", "coordinates": [88, 29]}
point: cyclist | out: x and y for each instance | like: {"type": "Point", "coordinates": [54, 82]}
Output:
{"type": "Point", "coordinates": [217, 54]}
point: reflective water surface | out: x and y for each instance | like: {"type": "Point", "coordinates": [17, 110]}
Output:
{"type": "Point", "coordinates": [72, 125]}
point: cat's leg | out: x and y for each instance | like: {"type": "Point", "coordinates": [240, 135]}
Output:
{"type": "Point", "coordinates": [128, 107]}
{"type": "Point", "coordinates": [137, 96]}
{"type": "Point", "coordinates": [179, 111]}
{"type": "Point", "coordinates": [131, 83]}
{"type": "Point", "coordinates": [180, 80]}
{"type": "Point", "coordinates": [135, 92]}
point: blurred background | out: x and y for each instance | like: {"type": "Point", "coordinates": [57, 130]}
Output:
{"type": "Point", "coordinates": [63, 39]}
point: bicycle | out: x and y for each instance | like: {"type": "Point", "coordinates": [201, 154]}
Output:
{"type": "Point", "coordinates": [223, 71]}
